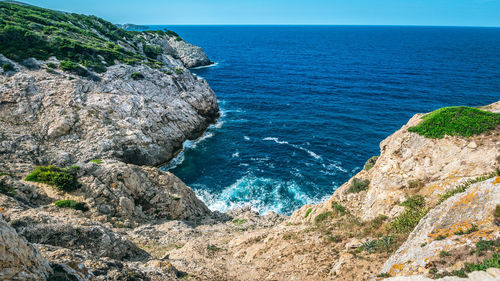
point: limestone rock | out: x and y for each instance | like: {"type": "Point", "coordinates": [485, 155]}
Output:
{"type": "Point", "coordinates": [61, 119]}
{"type": "Point", "coordinates": [19, 260]}
{"type": "Point", "coordinates": [436, 232]}
{"type": "Point", "coordinates": [117, 189]}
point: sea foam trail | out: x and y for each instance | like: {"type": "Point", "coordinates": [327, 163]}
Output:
{"type": "Point", "coordinates": [206, 66]}
{"type": "Point", "coordinates": [311, 153]}
{"type": "Point", "coordinates": [263, 195]}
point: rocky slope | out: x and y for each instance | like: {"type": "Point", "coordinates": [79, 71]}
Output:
{"type": "Point", "coordinates": [426, 207]}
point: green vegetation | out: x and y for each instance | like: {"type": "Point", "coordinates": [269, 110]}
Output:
{"type": "Point", "coordinates": [415, 210]}
{"type": "Point", "coordinates": [497, 211]}
{"type": "Point", "coordinates": [384, 275]}
{"type": "Point", "coordinates": [456, 121]}
{"type": "Point", "coordinates": [339, 208]}
{"type": "Point", "coordinates": [51, 65]}
{"type": "Point", "coordinates": [89, 41]}
{"type": "Point", "coordinates": [358, 185]}
{"type": "Point", "coordinates": [7, 67]}
{"type": "Point", "coordinates": [308, 212]}
{"type": "Point", "coordinates": [494, 262]}
{"type": "Point", "coordinates": [71, 204]}
{"type": "Point", "coordinates": [213, 248]}
{"type": "Point", "coordinates": [322, 217]}
{"type": "Point", "coordinates": [240, 221]}
{"type": "Point", "coordinates": [179, 71]}
{"type": "Point", "coordinates": [137, 76]}
{"type": "Point", "coordinates": [441, 237]}
{"type": "Point", "coordinates": [370, 163]}
{"type": "Point", "coordinates": [444, 254]}
{"type": "Point", "coordinates": [463, 187]}
{"type": "Point", "coordinates": [468, 231]}
{"type": "Point", "coordinates": [415, 183]}
{"type": "Point", "coordinates": [96, 161]}
{"type": "Point", "coordinates": [63, 179]}
{"type": "Point", "coordinates": [152, 51]}
{"type": "Point", "coordinates": [73, 67]}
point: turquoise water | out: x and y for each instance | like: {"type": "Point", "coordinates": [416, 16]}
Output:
{"type": "Point", "coordinates": [303, 107]}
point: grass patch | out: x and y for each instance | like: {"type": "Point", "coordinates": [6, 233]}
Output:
{"type": "Point", "coordinates": [358, 185]}
{"type": "Point", "coordinates": [463, 187]}
{"type": "Point", "coordinates": [63, 179]}
{"type": "Point", "coordinates": [497, 211]}
{"type": "Point", "coordinates": [213, 248]}
{"type": "Point", "coordinates": [240, 221]}
{"type": "Point", "coordinates": [415, 210]}
{"type": "Point", "coordinates": [441, 237]}
{"type": "Point", "coordinates": [456, 121]}
{"type": "Point", "coordinates": [179, 71]}
{"type": "Point", "coordinates": [51, 65]}
{"type": "Point", "coordinates": [308, 212]}
{"type": "Point", "coordinates": [339, 208]}
{"type": "Point", "coordinates": [137, 76]}
{"type": "Point", "coordinates": [71, 204]}
{"type": "Point", "coordinates": [96, 161]}
{"type": "Point", "coordinates": [322, 217]}
{"type": "Point", "coordinates": [370, 163]}
{"type": "Point", "coordinates": [72, 67]}
{"type": "Point", "coordinates": [444, 254]}
{"type": "Point", "coordinates": [418, 183]}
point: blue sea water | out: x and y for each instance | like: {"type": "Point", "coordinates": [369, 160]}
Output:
{"type": "Point", "coordinates": [303, 107]}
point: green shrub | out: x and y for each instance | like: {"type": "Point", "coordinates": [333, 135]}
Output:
{"type": "Point", "coordinates": [63, 179]}
{"type": "Point", "coordinates": [322, 217]}
{"type": "Point", "coordinates": [7, 67]}
{"type": "Point", "coordinates": [497, 211]}
{"type": "Point", "coordinates": [96, 161]}
{"type": "Point", "coordinates": [72, 205]}
{"type": "Point", "coordinates": [493, 262]}
{"type": "Point", "coordinates": [179, 71]}
{"type": "Point", "coordinates": [240, 221]}
{"type": "Point", "coordinates": [137, 76]}
{"type": "Point", "coordinates": [73, 67]}
{"type": "Point", "coordinates": [358, 185]}
{"type": "Point", "coordinates": [152, 51]}
{"type": "Point", "coordinates": [308, 212]}
{"type": "Point", "coordinates": [415, 210]}
{"type": "Point", "coordinates": [339, 208]}
{"type": "Point", "coordinates": [51, 65]}
{"type": "Point", "coordinates": [444, 254]}
{"type": "Point", "coordinates": [456, 121]}
{"type": "Point", "coordinates": [370, 163]}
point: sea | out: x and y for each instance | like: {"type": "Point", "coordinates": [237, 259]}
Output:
{"type": "Point", "coordinates": [304, 107]}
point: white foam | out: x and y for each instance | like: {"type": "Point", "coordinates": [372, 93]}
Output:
{"type": "Point", "coordinates": [206, 66]}
{"type": "Point", "coordinates": [236, 155]}
{"type": "Point", "coordinates": [261, 194]}
{"type": "Point", "coordinates": [246, 138]}
{"type": "Point", "coordinates": [311, 153]}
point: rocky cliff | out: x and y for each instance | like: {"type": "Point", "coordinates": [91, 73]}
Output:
{"type": "Point", "coordinates": [85, 119]}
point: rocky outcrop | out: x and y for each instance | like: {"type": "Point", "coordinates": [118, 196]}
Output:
{"type": "Point", "coordinates": [127, 191]}
{"type": "Point", "coordinates": [62, 119]}
{"type": "Point", "coordinates": [19, 260]}
{"type": "Point", "coordinates": [456, 224]}
{"type": "Point", "coordinates": [191, 56]}
{"type": "Point", "coordinates": [411, 164]}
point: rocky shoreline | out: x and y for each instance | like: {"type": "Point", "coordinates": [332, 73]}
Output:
{"type": "Point", "coordinates": [81, 198]}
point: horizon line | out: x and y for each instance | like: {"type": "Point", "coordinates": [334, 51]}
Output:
{"type": "Point", "coordinates": [293, 24]}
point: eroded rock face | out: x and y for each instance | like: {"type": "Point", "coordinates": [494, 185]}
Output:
{"type": "Point", "coordinates": [19, 260]}
{"type": "Point", "coordinates": [436, 232]}
{"type": "Point", "coordinates": [62, 119]}
{"type": "Point", "coordinates": [412, 164]}
{"type": "Point", "coordinates": [116, 189]}
{"type": "Point", "coordinates": [191, 56]}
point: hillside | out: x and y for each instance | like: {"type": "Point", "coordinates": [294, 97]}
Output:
{"type": "Point", "coordinates": [32, 32]}
{"type": "Point", "coordinates": [88, 111]}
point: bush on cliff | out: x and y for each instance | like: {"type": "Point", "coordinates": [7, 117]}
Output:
{"type": "Point", "coordinates": [137, 76]}
{"type": "Point", "coordinates": [71, 204]}
{"type": "Point", "coordinates": [33, 32]}
{"type": "Point", "coordinates": [358, 185]}
{"type": "Point", "coordinates": [456, 121]}
{"type": "Point", "coordinates": [63, 179]}
{"type": "Point", "coordinates": [415, 210]}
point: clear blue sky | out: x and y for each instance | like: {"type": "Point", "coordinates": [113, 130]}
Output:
{"type": "Point", "coordinates": [364, 12]}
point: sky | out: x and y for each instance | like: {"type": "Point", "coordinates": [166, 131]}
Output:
{"type": "Point", "coordinates": [297, 12]}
